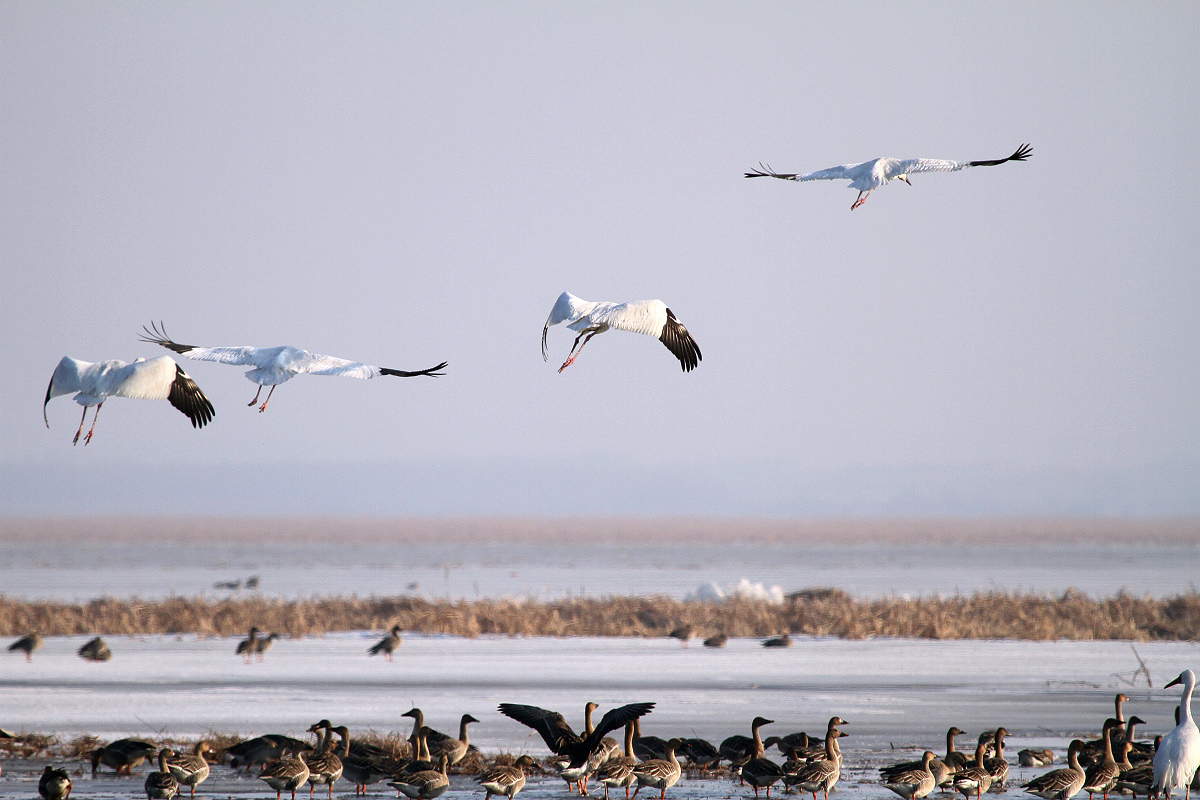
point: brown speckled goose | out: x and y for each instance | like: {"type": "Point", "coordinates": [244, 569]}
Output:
{"type": "Point", "coordinates": [820, 775]}
{"type": "Point", "coordinates": [1102, 776]}
{"type": "Point", "coordinates": [161, 784]}
{"type": "Point", "coordinates": [659, 773]}
{"type": "Point", "coordinates": [425, 784]}
{"type": "Point", "coordinates": [974, 779]}
{"type": "Point", "coordinates": [505, 780]}
{"type": "Point", "coordinates": [324, 766]}
{"type": "Point", "coordinates": [1060, 784]}
{"type": "Point", "coordinates": [616, 773]}
{"type": "Point", "coordinates": [914, 784]}
{"type": "Point", "coordinates": [190, 769]}
{"type": "Point", "coordinates": [286, 773]}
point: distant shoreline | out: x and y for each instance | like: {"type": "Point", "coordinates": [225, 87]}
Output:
{"type": "Point", "coordinates": [594, 529]}
{"type": "Point", "coordinates": [816, 612]}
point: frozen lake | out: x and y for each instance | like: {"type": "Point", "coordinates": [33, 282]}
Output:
{"type": "Point", "coordinates": [81, 560]}
{"type": "Point", "coordinates": [895, 693]}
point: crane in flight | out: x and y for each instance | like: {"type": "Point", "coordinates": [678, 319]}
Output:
{"type": "Point", "coordinates": [870, 175]}
{"type": "Point", "coordinates": [651, 317]}
{"type": "Point", "coordinates": [275, 365]}
{"type": "Point", "coordinates": [157, 379]}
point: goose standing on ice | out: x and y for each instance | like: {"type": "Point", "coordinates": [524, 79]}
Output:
{"type": "Point", "coordinates": [651, 317]}
{"type": "Point", "coordinates": [1178, 756]}
{"type": "Point", "coordinates": [161, 784]}
{"type": "Point", "coordinates": [387, 645]}
{"type": "Point", "coordinates": [913, 784]}
{"type": "Point", "coordinates": [157, 379]}
{"type": "Point", "coordinates": [1060, 784]}
{"type": "Point", "coordinates": [275, 365]}
{"type": "Point", "coordinates": [505, 780]}
{"type": "Point", "coordinates": [870, 175]}
{"type": "Point", "coordinates": [190, 769]}
{"type": "Point", "coordinates": [248, 646]}
{"type": "Point", "coordinates": [660, 773]}
{"type": "Point", "coordinates": [26, 644]}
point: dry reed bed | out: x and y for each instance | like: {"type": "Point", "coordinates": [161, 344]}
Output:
{"type": "Point", "coordinates": [823, 612]}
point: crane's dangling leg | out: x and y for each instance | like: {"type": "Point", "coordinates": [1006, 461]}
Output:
{"type": "Point", "coordinates": [79, 432]}
{"type": "Point", "coordinates": [862, 198]}
{"type": "Point", "coordinates": [92, 429]}
{"type": "Point", "coordinates": [263, 407]}
{"type": "Point", "coordinates": [256, 394]}
{"type": "Point", "coordinates": [574, 354]}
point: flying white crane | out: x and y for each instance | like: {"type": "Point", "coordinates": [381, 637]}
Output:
{"type": "Point", "coordinates": [651, 317]}
{"type": "Point", "coordinates": [870, 175]}
{"type": "Point", "coordinates": [1178, 756]}
{"type": "Point", "coordinates": [157, 379]}
{"type": "Point", "coordinates": [276, 365]}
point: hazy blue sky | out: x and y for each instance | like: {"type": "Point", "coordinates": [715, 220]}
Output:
{"type": "Point", "coordinates": [405, 183]}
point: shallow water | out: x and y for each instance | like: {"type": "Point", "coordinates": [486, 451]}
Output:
{"type": "Point", "coordinates": [83, 570]}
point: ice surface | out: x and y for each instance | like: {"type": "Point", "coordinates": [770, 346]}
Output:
{"type": "Point", "coordinates": [894, 692]}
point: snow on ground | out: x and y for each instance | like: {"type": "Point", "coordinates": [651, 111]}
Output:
{"type": "Point", "coordinates": [894, 692]}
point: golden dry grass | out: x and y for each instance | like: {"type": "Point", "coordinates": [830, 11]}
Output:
{"type": "Point", "coordinates": [831, 612]}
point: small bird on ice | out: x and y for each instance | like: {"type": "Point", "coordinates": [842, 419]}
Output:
{"type": "Point", "coordinates": [276, 365]}
{"type": "Point", "coordinates": [870, 175]}
{"type": "Point", "coordinates": [157, 379]}
{"type": "Point", "coordinates": [651, 317]}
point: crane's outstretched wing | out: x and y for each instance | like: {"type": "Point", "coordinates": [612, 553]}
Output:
{"type": "Point", "coordinates": [680, 342]}
{"type": "Point", "coordinates": [653, 318]}
{"type": "Point", "coordinates": [162, 379]}
{"type": "Point", "coordinates": [238, 356]}
{"type": "Point", "coordinates": [550, 724]}
{"type": "Point", "coordinates": [831, 174]}
{"type": "Point", "coordinates": [942, 165]}
{"type": "Point", "coordinates": [431, 372]}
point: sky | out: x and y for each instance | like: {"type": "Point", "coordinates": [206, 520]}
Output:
{"type": "Point", "coordinates": [404, 183]}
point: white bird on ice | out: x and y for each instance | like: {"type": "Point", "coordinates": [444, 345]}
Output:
{"type": "Point", "coordinates": [651, 317]}
{"type": "Point", "coordinates": [276, 365]}
{"type": "Point", "coordinates": [870, 175]}
{"type": "Point", "coordinates": [1178, 755]}
{"type": "Point", "coordinates": [157, 379]}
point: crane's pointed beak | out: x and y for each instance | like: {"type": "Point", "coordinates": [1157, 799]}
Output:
{"type": "Point", "coordinates": [906, 180]}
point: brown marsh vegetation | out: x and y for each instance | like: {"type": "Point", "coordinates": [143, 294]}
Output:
{"type": "Point", "coordinates": [819, 612]}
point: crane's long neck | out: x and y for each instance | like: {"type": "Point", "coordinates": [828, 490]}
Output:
{"type": "Point", "coordinates": [1185, 702]}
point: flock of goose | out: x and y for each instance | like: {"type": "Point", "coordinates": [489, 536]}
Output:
{"type": "Point", "coordinates": [418, 767]}
{"type": "Point", "coordinates": [162, 378]}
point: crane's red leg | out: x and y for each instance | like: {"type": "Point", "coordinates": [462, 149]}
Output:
{"type": "Point", "coordinates": [256, 394]}
{"type": "Point", "coordinates": [263, 407]}
{"type": "Point", "coordinates": [862, 198]}
{"type": "Point", "coordinates": [92, 429]}
{"type": "Point", "coordinates": [79, 432]}
{"type": "Point", "coordinates": [574, 354]}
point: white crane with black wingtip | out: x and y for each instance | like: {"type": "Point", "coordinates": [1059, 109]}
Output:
{"type": "Point", "coordinates": [157, 379]}
{"type": "Point", "coordinates": [651, 317]}
{"type": "Point", "coordinates": [870, 175]}
{"type": "Point", "coordinates": [275, 365]}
